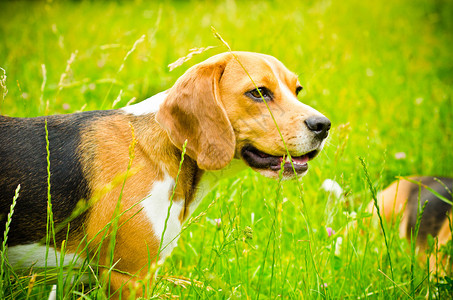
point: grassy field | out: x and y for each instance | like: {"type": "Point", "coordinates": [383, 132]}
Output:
{"type": "Point", "coordinates": [382, 72]}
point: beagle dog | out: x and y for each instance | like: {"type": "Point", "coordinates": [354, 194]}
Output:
{"type": "Point", "coordinates": [123, 166]}
{"type": "Point", "coordinates": [405, 198]}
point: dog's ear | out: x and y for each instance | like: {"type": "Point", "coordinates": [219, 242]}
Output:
{"type": "Point", "coordinates": [194, 111]}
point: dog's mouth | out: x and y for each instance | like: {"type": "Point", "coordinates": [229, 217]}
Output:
{"type": "Point", "coordinates": [260, 160]}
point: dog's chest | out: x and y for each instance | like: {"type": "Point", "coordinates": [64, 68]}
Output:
{"type": "Point", "coordinates": [164, 215]}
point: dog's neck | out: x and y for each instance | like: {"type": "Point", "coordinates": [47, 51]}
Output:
{"type": "Point", "coordinates": [193, 183]}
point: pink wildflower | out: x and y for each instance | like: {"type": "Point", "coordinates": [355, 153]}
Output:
{"type": "Point", "coordinates": [218, 222]}
{"type": "Point", "coordinates": [400, 155]}
{"type": "Point", "coordinates": [330, 231]}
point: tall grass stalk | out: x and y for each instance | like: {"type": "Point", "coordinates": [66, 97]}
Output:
{"type": "Point", "coordinates": [183, 153]}
{"type": "Point", "coordinates": [413, 239]}
{"type": "Point", "coordinates": [50, 227]}
{"type": "Point", "coordinates": [272, 233]}
{"type": "Point", "coordinates": [121, 67]}
{"type": "Point", "coordinates": [43, 84]}
{"type": "Point", "coordinates": [4, 88]}
{"type": "Point", "coordinates": [64, 75]}
{"type": "Point", "coordinates": [378, 211]}
{"type": "Point", "coordinates": [4, 257]}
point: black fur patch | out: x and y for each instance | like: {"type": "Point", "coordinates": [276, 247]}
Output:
{"type": "Point", "coordinates": [436, 210]}
{"type": "Point", "coordinates": [23, 160]}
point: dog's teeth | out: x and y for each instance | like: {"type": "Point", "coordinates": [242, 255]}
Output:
{"type": "Point", "coordinates": [288, 160]}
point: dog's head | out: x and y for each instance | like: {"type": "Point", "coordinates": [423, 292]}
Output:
{"type": "Point", "coordinates": [243, 105]}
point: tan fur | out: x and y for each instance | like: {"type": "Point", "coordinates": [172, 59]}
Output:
{"type": "Point", "coordinates": [392, 202]}
{"type": "Point", "coordinates": [393, 199]}
{"type": "Point", "coordinates": [445, 232]}
{"type": "Point", "coordinates": [111, 139]}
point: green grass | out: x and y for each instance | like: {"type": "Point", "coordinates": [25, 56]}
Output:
{"type": "Point", "coordinates": [382, 72]}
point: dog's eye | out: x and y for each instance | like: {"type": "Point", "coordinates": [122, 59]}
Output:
{"type": "Point", "coordinates": [298, 89]}
{"type": "Point", "coordinates": [256, 96]}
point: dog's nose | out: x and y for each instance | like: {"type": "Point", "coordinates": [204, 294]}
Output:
{"type": "Point", "coordinates": [319, 125]}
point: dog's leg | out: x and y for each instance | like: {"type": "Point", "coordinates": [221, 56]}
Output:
{"type": "Point", "coordinates": [53, 293]}
{"type": "Point", "coordinates": [123, 286]}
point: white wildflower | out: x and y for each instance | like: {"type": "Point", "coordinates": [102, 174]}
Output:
{"type": "Point", "coordinates": [333, 187]}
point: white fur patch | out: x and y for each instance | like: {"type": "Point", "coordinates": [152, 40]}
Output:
{"type": "Point", "coordinates": [157, 203]}
{"type": "Point", "coordinates": [150, 105]}
{"type": "Point", "coordinates": [156, 208]}
{"type": "Point", "coordinates": [24, 256]}
{"type": "Point", "coordinates": [53, 293]}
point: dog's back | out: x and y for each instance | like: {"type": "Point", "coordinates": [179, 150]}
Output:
{"type": "Point", "coordinates": [24, 155]}
{"type": "Point", "coordinates": [436, 210]}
